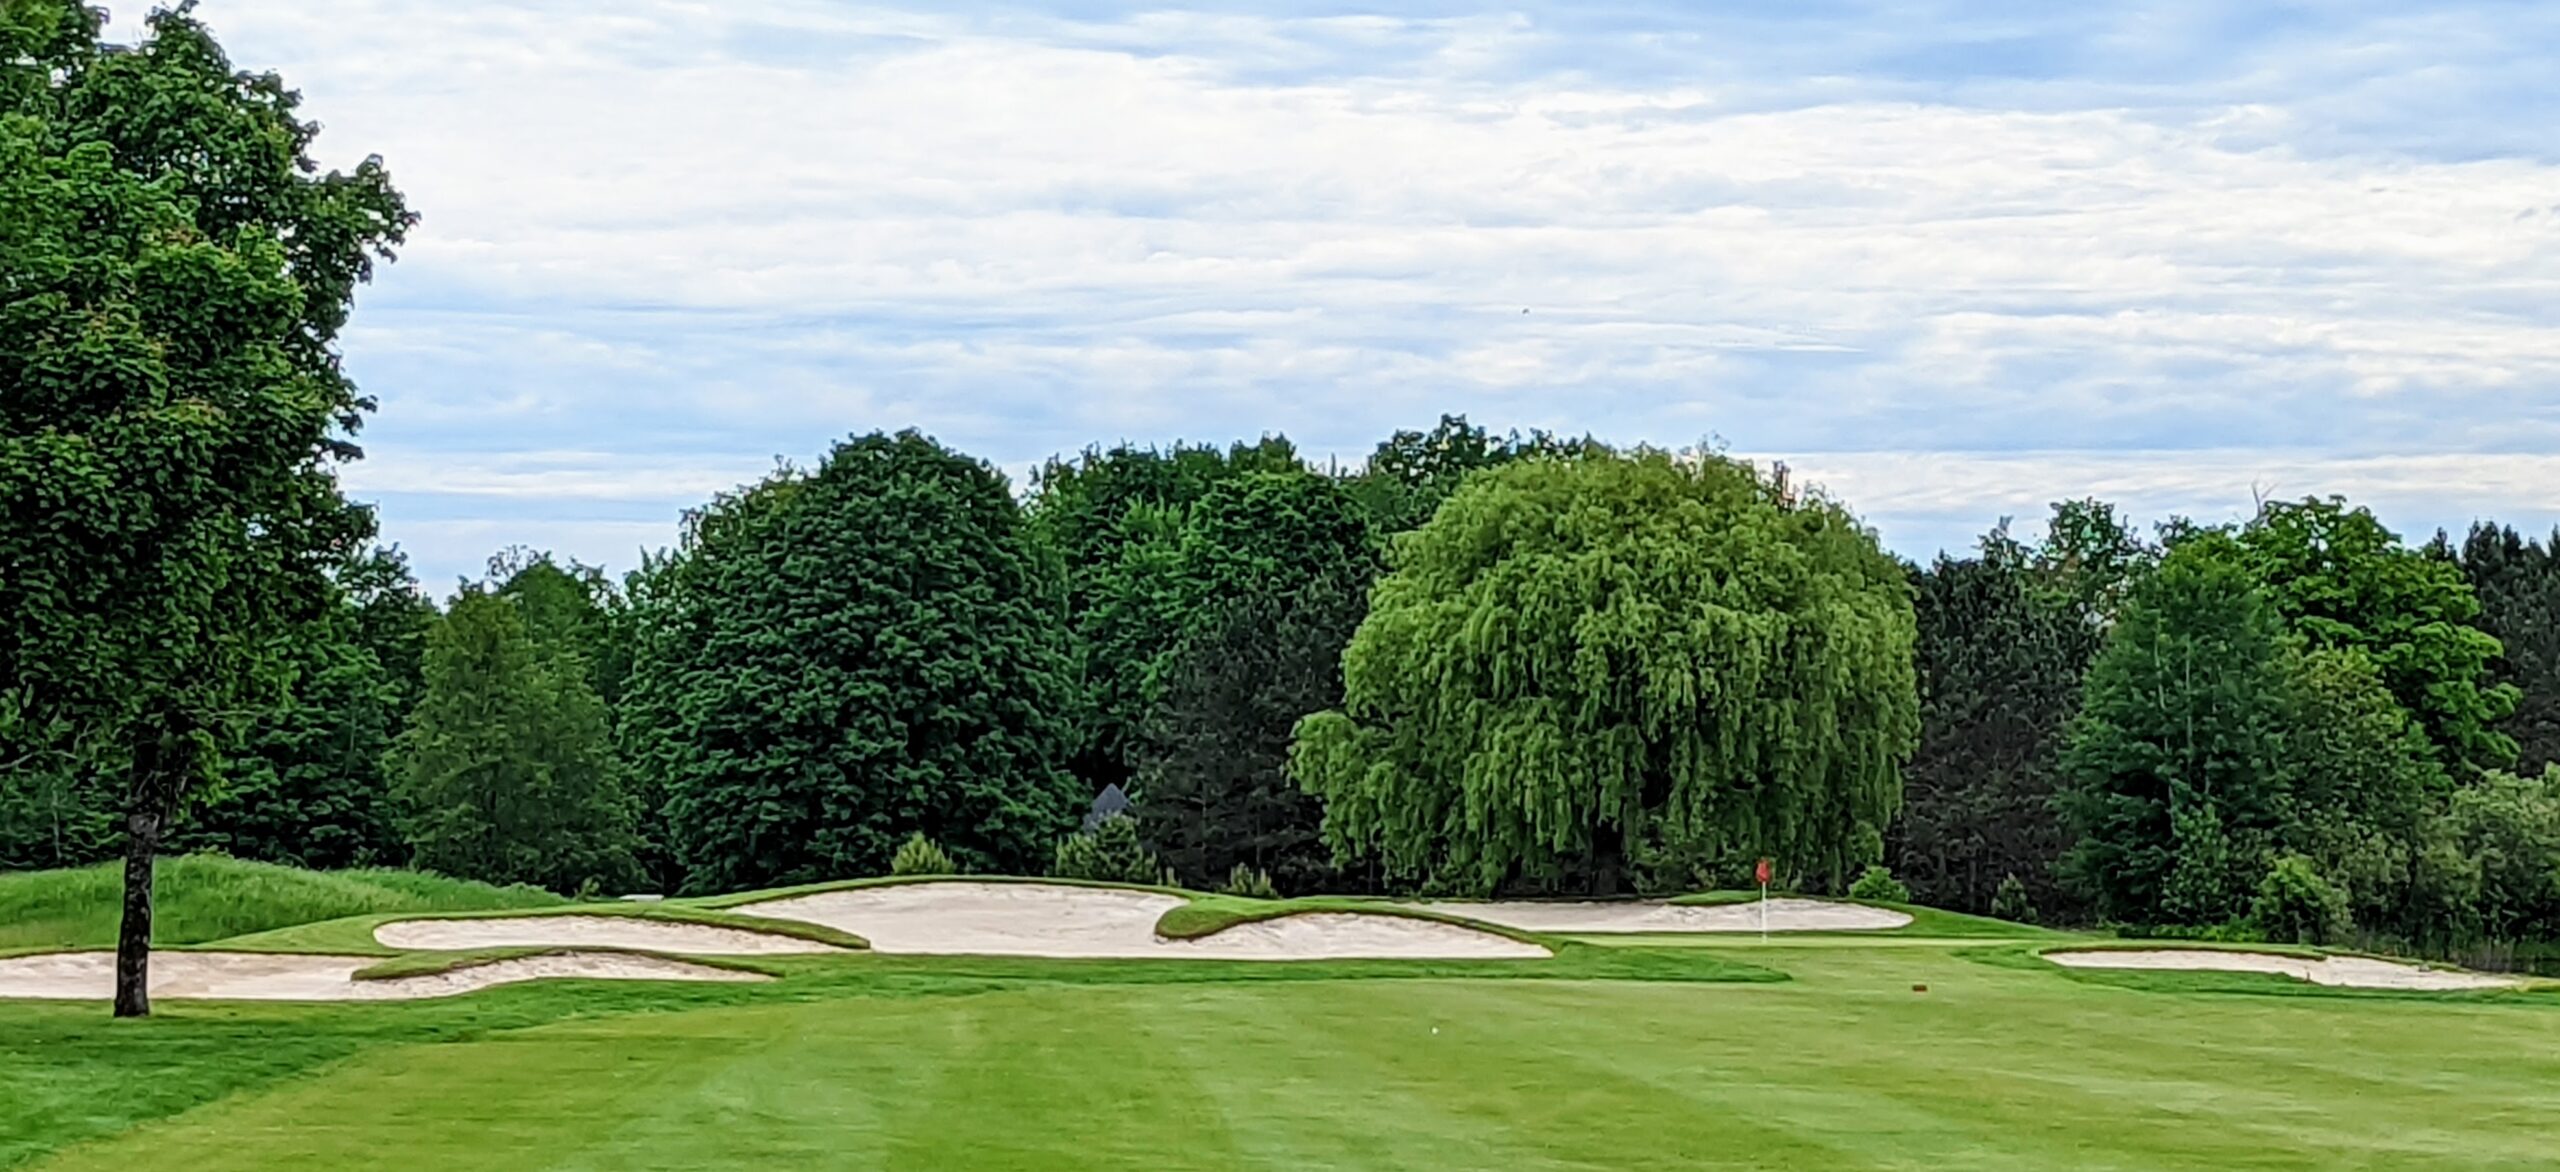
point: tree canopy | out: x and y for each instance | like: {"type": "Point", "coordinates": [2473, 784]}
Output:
{"type": "Point", "coordinates": [507, 772]}
{"type": "Point", "coordinates": [177, 273]}
{"type": "Point", "coordinates": [1582, 664]}
{"type": "Point", "coordinates": [837, 659]}
{"type": "Point", "coordinates": [2343, 580]}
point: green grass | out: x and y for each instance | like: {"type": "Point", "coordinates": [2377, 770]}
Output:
{"type": "Point", "coordinates": [1925, 921]}
{"type": "Point", "coordinates": [201, 898]}
{"type": "Point", "coordinates": [1644, 1052]}
{"type": "Point", "coordinates": [961, 1063]}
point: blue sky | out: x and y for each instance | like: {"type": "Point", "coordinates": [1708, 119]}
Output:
{"type": "Point", "coordinates": [1951, 260]}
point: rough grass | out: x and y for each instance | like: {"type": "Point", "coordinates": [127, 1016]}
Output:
{"type": "Point", "coordinates": [990, 1063]}
{"type": "Point", "coordinates": [743, 898]}
{"type": "Point", "coordinates": [203, 898]}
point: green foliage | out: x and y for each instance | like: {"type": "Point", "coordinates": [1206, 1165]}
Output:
{"type": "Point", "coordinates": [204, 898]}
{"type": "Point", "coordinates": [176, 271]}
{"type": "Point", "coordinates": [2010, 902]}
{"type": "Point", "coordinates": [2518, 584]}
{"type": "Point", "coordinates": [310, 785]}
{"type": "Point", "coordinates": [1262, 649]}
{"type": "Point", "coordinates": [1113, 521]}
{"type": "Point", "coordinates": [1578, 664]}
{"type": "Point", "coordinates": [837, 659]}
{"type": "Point", "coordinates": [1249, 882]}
{"type": "Point", "coordinates": [2175, 768]}
{"type": "Point", "coordinates": [2344, 581]}
{"type": "Point", "coordinates": [2003, 640]}
{"type": "Point", "coordinates": [2297, 905]}
{"type": "Point", "coordinates": [1411, 472]}
{"type": "Point", "coordinates": [1109, 853]}
{"type": "Point", "coordinates": [507, 770]}
{"type": "Point", "coordinates": [1877, 883]}
{"type": "Point", "coordinates": [2500, 873]}
{"type": "Point", "coordinates": [920, 856]}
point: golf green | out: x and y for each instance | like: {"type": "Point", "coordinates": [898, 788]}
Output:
{"type": "Point", "coordinates": [1846, 1066]}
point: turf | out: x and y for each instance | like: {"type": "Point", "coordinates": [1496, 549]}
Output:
{"type": "Point", "coordinates": [200, 898]}
{"type": "Point", "coordinates": [1626, 1057]}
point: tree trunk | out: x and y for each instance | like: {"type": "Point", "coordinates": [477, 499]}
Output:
{"type": "Point", "coordinates": [162, 764]}
{"type": "Point", "coordinates": [142, 826]}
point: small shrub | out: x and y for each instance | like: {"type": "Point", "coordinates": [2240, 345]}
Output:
{"type": "Point", "coordinates": [1878, 884]}
{"type": "Point", "coordinates": [1250, 882]}
{"type": "Point", "coordinates": [1109, 853]}
{"type": "Point", "coordinates": [922, 856]}
{"type": "Point", "coordinates": [2009, 902]}
{"type": "Point", "coordinates": [2297, 904]}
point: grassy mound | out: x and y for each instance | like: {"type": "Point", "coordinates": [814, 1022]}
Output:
{"type": "Point", "coordinates": [203, 898]}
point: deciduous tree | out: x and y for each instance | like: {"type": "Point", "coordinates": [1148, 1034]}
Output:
{"type": "Point", "coordinates": [834, 660]}
{"type": "Point", "coordinates": [177, 271]}
{"type": "Point", "coordinates": [1579, 664]}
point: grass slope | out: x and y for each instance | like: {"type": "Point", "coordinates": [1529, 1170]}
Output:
{"type": "Point", "coordinates": [202, 898]}
{"type": "Point", "coordinates": [947, 1063]}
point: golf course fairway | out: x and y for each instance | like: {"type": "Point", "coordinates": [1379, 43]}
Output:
{"type": "Point", "coordinates": [2005, 1062]}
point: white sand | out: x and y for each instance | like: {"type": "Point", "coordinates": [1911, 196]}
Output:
{"type": "Point", "coordinates": [589, 932]}
{"type": "Point", "coordinates": [1785, 915]}
{"type": "Point", "coordinates": [2346, 971]}
{"type": "Point", "coordinates": [1351, 936]}
{"type": "Point", "coordinates": [1042, 919]}
{"type": "Point", "coordinates": [258, 976]}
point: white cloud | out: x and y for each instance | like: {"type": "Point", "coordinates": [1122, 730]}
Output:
{"type": "Point", "coordinates": [667, 233]}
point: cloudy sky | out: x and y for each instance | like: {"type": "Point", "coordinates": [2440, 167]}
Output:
{"type": "Point", "coordinates": [1952, 260]}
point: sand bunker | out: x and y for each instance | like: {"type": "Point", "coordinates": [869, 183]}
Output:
{"type": "Point", "coordinates": [1042, 919]}
{"type": "Point", "coordinates": [1351, 936]}
{"type": "Point", "coordinates": [264, 976]}
{"type": "Point", "coordinates": [589, 932]}
{"type": "Point", "coordinates": [2357, 972]}
{"type": "Point", "coordinates": [1785, 915]}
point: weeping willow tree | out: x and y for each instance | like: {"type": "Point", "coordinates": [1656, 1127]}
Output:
{"type": "Point", "coordinates": [1621, 665]}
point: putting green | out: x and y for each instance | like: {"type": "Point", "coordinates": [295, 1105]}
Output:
{"type": "Point", "coordinates": [917, 1063]}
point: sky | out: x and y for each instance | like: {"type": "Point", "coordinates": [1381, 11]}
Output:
{"type": "Point", "coordinates": [1952, 261]}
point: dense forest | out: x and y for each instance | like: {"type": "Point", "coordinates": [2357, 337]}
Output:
{"type": "Point", "coordinates": [1470, 663]}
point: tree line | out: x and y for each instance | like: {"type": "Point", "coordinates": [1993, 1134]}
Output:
{"type": "Point", "coordinates": [1474, 663]}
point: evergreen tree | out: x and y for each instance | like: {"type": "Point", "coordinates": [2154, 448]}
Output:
{"type": "Point", "coordinates": [506, 772]}
{"type": "Point", "coordinates": [2518, 584]}
{"type": "Point", "coordinates": [1213, 778]}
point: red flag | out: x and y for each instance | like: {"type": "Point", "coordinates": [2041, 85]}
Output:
{"type": "Point", "coordinates": [1762, 872]}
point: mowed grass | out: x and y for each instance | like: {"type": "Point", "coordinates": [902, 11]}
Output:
{"type": "Point", "coordinates": [951, 1063]}
{"type": "Point", "coordinates": [200, 898]}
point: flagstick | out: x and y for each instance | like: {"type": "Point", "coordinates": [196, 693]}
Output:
{"type": "Point", "coordinates": [1764, 913]}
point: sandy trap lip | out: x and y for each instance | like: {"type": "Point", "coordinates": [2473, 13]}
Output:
{"type": "Point", "coordinates": [1784, 915]}
{"type": "Point", "coordinates": [459, 935]}
{"type": "Point", "coordinates": [284, 976]}
{"type": "Point", "coordinates": [1056, 920]}
{"type": "Point", "coordinates": [2352, 972]}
